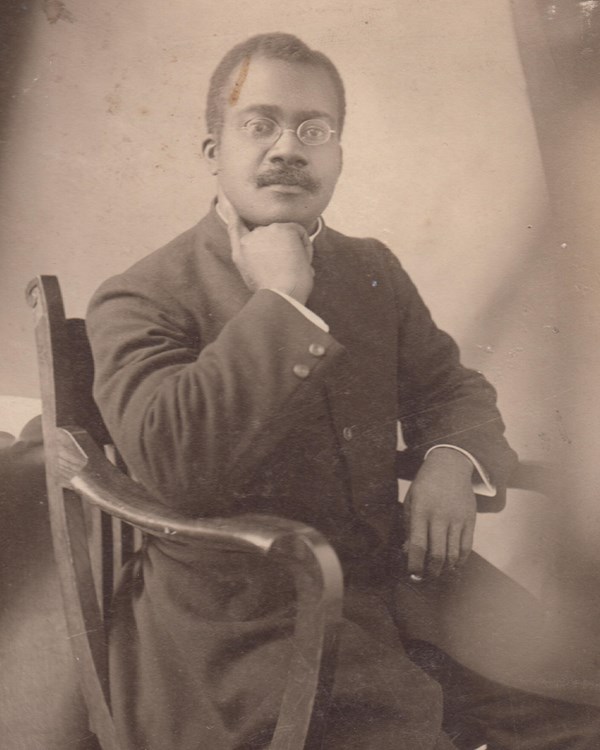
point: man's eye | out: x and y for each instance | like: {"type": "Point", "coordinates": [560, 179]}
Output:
{"type": "Point", "coordinates": [260, 128]}
{"type": "Point", "coordinates": [314, 132]}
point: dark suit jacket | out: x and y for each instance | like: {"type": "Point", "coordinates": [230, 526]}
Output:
{"type": "Point", "coordinates": [224, 402]}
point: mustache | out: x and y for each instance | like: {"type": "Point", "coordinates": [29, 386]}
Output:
{"type": "Point", "coordinates": [288, 176]}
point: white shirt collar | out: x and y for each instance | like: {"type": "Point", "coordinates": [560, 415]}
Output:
{"type": "Point", "coordinates": [317, 231]}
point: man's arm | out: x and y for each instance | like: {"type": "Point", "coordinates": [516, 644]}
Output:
{"type": "Point", "coordinates": [442, 403]}
{"type": "Point", "coordinates": [193, 421]}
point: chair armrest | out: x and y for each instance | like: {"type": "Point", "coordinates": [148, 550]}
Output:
{"type": "Point", "coordinates": [535, 476]}
{"type": "Point", "coordinates": [317, 573]}
{"type": "Point", "coordinates": [85, 469]}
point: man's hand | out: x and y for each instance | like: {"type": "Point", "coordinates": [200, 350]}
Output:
{"type": "Point", "coordinates": [440, 512]}
{"type": "Point", "coordinates": [275, 257]}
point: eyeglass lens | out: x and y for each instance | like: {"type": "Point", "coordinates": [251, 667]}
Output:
{"type": "Point", "coordinates": [310, 132]}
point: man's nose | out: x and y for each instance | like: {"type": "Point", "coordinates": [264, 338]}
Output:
{"type": "Point", "coordinates": [288, 149]}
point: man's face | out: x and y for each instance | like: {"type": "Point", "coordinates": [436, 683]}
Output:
{"type": "Point", "coordinates": [248, 170]}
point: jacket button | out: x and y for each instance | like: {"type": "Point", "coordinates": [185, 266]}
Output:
{"type": "Point", "coordinates": [347, 433]}
{"type": "Point", "coordinates": [317, 350]}
{"type": "Point", "coordinates": [301, 371]}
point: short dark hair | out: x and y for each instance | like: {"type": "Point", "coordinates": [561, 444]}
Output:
{"type": "Point", "coordinates": [276, 46]}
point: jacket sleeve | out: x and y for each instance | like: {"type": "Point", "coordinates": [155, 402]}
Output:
{"type": "Point", "coordinates": [439, 400]}
{"type": "Point", "coordinates": [193, 420]}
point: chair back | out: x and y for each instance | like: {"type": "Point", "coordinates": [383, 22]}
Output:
{"type": "Point", "coordinates": [89, 545]}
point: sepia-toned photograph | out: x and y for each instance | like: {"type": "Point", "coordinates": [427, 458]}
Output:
{"type": "Point", "coordinates": [299, 403]}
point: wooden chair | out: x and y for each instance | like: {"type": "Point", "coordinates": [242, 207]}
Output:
{"type": "Point", "coordinates": [98, 516]}
{"type": "Point", "coordinates": [97, 512]}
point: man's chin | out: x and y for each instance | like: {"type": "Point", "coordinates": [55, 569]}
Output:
{"type": "Point", "coordinates": [281, 215]}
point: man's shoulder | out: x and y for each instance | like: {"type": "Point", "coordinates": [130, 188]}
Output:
{"type": "Point", "coordinates": [361, 245]}
{"type": "Point", "coordinates": [358, 251]}
{"type": "Point", "coordinates": [357, 258]}
{"type": "Point", "coordinates": [165, 271]}
{"type": "Point", "coordinates": [169, 261]}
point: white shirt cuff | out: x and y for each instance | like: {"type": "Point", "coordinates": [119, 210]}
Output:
{"type": "Point", "coordinates": [481, 486]}
{"type": "Point", "coordinates": [309, 314]}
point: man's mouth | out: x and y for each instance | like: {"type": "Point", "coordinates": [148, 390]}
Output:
{"type": "Point", "coordinates": [290, 176]}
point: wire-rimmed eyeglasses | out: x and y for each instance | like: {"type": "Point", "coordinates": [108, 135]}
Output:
{"type": "Point", "coordinates": [266, 131]}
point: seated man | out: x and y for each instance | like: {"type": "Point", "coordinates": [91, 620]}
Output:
{"type": "Point", "coordinates": [260, 362]}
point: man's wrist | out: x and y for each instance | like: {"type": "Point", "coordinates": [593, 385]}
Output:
{"type": "Point", "coordinates": [309, 314]}
{"type": "Point", "coordinates": [482, 485]}
{"type": "Point", "coordinates": [454, 460]}
{"type": "Point", "coordinates": [289, 291]}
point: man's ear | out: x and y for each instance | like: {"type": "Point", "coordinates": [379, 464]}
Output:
{"type": "Point", "coordinates": [210, 149]}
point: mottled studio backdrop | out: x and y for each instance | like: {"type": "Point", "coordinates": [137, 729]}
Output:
{"type": "Point", "coordinates": [472, 148]}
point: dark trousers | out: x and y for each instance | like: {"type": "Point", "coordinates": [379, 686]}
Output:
{"type": "Point", "coordinates": [200, 648]}
{"type": "Point", "coordinates": [477, 711]}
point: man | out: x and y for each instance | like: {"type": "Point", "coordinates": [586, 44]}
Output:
{"type": "Point", "coordinates": [261, 362]}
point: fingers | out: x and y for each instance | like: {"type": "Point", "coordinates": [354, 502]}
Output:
{"type": "Point", "coordinates": [453, 545]}
{"type": "Point", "coordinates": [237, 229]}
{"type": "Point", "coordinates": [466, 542]}
{"type": "Point", "coordinates": [417, 540]}
{"type": "Point", "coordinates": [440, 515]}
{"type": "Point", "coordinates": [435, 546]}
{"type": "Point", "coordinates": [417, 552]}
{"type": "Point", "coordinates": [303, 235]}
{"type": "Point", "coordinates": [438, 537]}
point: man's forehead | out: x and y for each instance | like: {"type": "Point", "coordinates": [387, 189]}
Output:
{"type": "Point", "coordinates": [275, 112]}
{"type": "Point", "coordinates": [275, 87]}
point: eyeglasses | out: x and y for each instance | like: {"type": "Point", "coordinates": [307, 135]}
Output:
{"type": "Point", "coordinates": [265, 131]}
